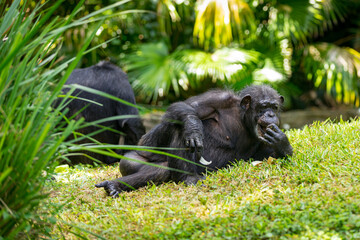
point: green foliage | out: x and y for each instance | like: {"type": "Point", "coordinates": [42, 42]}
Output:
{"type": "Point", "coordinates": [313, 195]}
{"type": "Point", "coordinates": [273, 31]}
{"type": "Point", "coordinates": [32, 136]}
{"type": "Point", "coordinates": [157, 71]}
{"type": "Point", "coordinates": [218, 22]}
{"type": "Point", "coordinates": [294, 20]}
{"type": "Point", "coordinates": [28, 140]}
{"type": "Point", "coordinates": [335, 69]}
{"type": "Point", "coordinates": [123, 26]}
{"type": "Point", "coordinates": [224, 64]}
{"type": "Point", "coordinates": [277, 30]}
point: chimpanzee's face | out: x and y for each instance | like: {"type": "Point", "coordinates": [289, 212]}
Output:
{"type": "Point", "coordinates": [260, 112]}
{"type": "Point", "coordinates": [266, 112]}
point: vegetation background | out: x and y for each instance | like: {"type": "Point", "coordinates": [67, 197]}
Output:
{"type": "Point", "coordinates": [173, 49]}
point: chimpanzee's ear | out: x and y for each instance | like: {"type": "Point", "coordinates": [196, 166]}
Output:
{"type": "Point", "coordinates": [281, 99]}
{"type": "Point", "coordinates": [245, 102]}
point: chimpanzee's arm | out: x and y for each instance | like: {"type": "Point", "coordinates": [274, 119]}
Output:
{"type": "Point", "coordinates": [184, 114]}
{"type": "Point", "coordinates": [206, 104]}
{"type": "Point", "coordinates": [192, 111]}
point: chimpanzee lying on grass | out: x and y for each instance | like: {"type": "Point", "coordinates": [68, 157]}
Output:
{"type": "Point", "coordinates": [218, 127]}
{"type": "Point", "coordinates": [107, 78]}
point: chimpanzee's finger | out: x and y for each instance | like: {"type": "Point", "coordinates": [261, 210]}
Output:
{"type": "Point", "coordinates": [264, 140]}
{"type": "Point", "coordinates": [273, 127]}
{"type": "Point", "coordinates": [114, 194]}
{"type": "Point", "coordinates": [271, 132]}
{"type": "Point", "coordinates": [192, 145]}
{"type": "Point", "coordinates": [269, 138]}
{"type": "Point", "coordinates": [199, 143]}
{"type": "Point", "coordinates": [103, 184]}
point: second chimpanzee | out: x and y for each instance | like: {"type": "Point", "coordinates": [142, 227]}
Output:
{"type": "Point", "coordinates": [110, 79]}
{"type": "Point", "coordinates": [217, 128]}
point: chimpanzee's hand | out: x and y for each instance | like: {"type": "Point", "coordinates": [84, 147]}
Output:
{"type": "Point", "coordinates": [193, 133]}
{"type": "Point", "coordinates": [276, 139]}
{"type": "Point", "coordinates": [112, 188]}
{"type": "Point", "coordinates": [194, 141]}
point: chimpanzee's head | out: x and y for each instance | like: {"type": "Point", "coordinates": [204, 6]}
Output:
{"type": "Point", "coordinates": [260, 106]}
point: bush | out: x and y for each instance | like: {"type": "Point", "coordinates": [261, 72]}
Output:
{"type": "Point", "coordinates": [31, 136]}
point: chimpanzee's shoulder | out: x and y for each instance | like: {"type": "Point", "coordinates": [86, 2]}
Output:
{"type": "Point", "coordinates": [214, 94]}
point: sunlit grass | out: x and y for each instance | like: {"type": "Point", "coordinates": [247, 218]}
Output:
{"type": "Point", "coordinates": [315, 195]}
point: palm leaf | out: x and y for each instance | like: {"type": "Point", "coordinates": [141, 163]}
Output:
{"type": "Point", "coordinates": [219, 22]}
{"type": "Point", "coordinates": [225, 64]}
{"type": "Point", "coordinates": [293, 19]}
{"type": "Point", "coordinates": [335, 69]}
{"type": "Point", "coordinates": [270, 73]}
{"type": "Point", "coordinates": [168, 17]}
{"type": "Point", "coordinates": [153, 71]}
{"type": "Point", "coordinates": [299, 19]}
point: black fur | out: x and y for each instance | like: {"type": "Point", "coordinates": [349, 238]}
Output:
{"type": "Point", "coordinates": [110, 79]}
{"type": "Point", "coordinates": [217, 127]}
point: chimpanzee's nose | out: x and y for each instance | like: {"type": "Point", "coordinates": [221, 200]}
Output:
{"type": "Point", "coordinates": [271, 114]}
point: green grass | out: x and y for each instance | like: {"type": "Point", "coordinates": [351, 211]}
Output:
{"type": "Point", "coordinates": [315, 195]}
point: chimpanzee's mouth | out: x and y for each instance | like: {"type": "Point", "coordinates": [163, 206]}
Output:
{"type": "Point", "coordinates": [260, 130]}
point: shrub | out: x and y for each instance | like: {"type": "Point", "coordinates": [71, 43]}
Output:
{"type": "Point", "coordinates": [30, 134]}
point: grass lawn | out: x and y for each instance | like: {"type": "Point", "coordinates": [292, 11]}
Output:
{"type": "Point", "coordinates": [315, 195]}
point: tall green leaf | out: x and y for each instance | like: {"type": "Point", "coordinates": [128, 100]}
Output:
{"type": "Point", "coordinates": [31, 133]}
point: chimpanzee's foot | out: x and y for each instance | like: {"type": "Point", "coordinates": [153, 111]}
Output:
{"type": "Point", "coordinates": [113, 188]}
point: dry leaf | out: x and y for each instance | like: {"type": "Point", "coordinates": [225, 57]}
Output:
{"type": "Point", "coordinates": [256, 163]}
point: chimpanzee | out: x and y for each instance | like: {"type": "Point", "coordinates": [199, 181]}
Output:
{"type": "Point", "coordinates": [110, 79]}
{"type": "Point", "coordinates": [215, 128]}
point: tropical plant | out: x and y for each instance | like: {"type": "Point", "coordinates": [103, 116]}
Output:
{"type": "Point", "coordinates": [273, 31]}
{"type": "Point", "coordinates": [219, 22]}
{"type": "Point", "coordinates": [335, 69]}
{"type": "Point", "coordinates": [157, 71]}
{"type": "Point", "coordinates": [32, 136]}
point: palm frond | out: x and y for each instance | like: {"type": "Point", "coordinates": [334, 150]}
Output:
{"type": "Point", "coordinates": [225, 64]}
{"type": "Point", "coordinates": [219, 22]}
{"type": "Point", "coordinates": [294, 19]}
{"type": "Point", "coordinates": [269, 73]}
{"type": "Point", "coordinates": [334, 68]}
{"type": "Point", "coordinates": [274, 61]}
{"type": "Point", "coordinates": [168, 17]}
{"type": "Point", "coordinates": [300, 19]}
{"type": "Point", "coordinates": [153, 70]}
{"type": "Point", "coordinates": [333, 12]}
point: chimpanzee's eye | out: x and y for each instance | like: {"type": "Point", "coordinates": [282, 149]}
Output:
{"type": "Point", "coordinates": [274, 107]}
